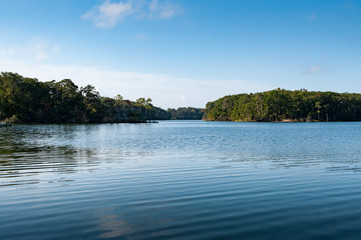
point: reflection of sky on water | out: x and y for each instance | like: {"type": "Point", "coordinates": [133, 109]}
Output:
{"type": "Point", "coordinates": [109, 224]}
{"type": "Point", "coordinates": [33, 153]}
{"type": "Point", "coordinates": [179, 179]}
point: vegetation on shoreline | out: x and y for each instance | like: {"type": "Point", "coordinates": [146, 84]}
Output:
{"type": "Point", "coordinates": [28, 100]}
{"type": "Point", "coordinates": [285, 105]}
{"type": "Point", "coordinates": [31, 101]}
{"type": "Point", "coordinates": [186, 113]}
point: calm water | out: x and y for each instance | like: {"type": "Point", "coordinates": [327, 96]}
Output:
{"type": "Point", "coordinates": [181, 180]}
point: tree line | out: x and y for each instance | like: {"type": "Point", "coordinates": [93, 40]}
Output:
{"type": "Point", "coordinates": [285, 105]}
{"type": "Point", "coordinates": [28, 100]}
{"type": "Point", "coordinates": [186, 113]}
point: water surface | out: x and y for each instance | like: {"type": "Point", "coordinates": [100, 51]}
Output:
{"type": "Point", "coordinates": [181, 180]}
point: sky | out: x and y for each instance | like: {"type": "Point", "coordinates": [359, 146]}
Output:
{"type": "Point", "coordinates": [184, 53]}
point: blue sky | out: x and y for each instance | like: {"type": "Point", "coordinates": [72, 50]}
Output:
{"type": "Point", "coordinates": [185, 53]}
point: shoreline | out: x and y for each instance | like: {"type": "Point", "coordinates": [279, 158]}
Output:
{"type": "Point", "coordinates": [279, 121]}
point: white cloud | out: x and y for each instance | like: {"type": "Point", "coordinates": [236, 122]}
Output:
{"type": "Point", "coordinates": [39, 48]}
{"type": "Point", "coordinates": [35, 49]}
{"type": "Point", "coordinates": [109, 13]}
{"type": "Point", "coordinates": [165, 90]}
{"type": "Point", "coordinates": [316, 69]}
{"type": "Point", "coordinates": [164, 10]}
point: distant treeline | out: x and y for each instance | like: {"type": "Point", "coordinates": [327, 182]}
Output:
{"type": "Point", "coordinates": [186, 113]}
{"type": "Point", "coordinates": [28, 100]}
{"type": "Point", "coordinates": [285, 105]}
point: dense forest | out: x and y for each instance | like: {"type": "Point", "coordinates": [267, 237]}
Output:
{"type": "Point", "coordinates": [186, 113]}
{"type": "Point", "coordinates": [285, 105]}
{"type": "Point", "coordinates": [28, 100]}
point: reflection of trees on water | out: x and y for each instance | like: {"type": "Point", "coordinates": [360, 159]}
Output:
{"type": "Point", "coordinates": [24, 162]}
{"type": "Point", "coordinates": [27, 151]}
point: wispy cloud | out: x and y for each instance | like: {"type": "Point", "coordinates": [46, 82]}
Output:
{"type": "Point", "coordinates": [39, 48]}
{"type": "Point", "coordinates": [109, 14]}
{"type": "Point", "coordinates": [316, 69]}
{"type": "Point", "coordinates": [162, 10]}
{"type": "Point", "coordinates": [35, 49]}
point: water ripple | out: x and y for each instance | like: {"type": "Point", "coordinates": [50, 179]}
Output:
{"type": "Point", "coordinates": [181, 180]}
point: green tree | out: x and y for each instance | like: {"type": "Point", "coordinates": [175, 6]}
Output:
{"type": "Point", "coordinates": [91, 102]}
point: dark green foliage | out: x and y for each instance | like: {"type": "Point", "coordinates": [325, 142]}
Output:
{"type": "Point", "coordinates": [28, 100]}
{"type": "Point", "coordinates": [186, 113]}
{"type": "Point", "coordinates": [285, 105]}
